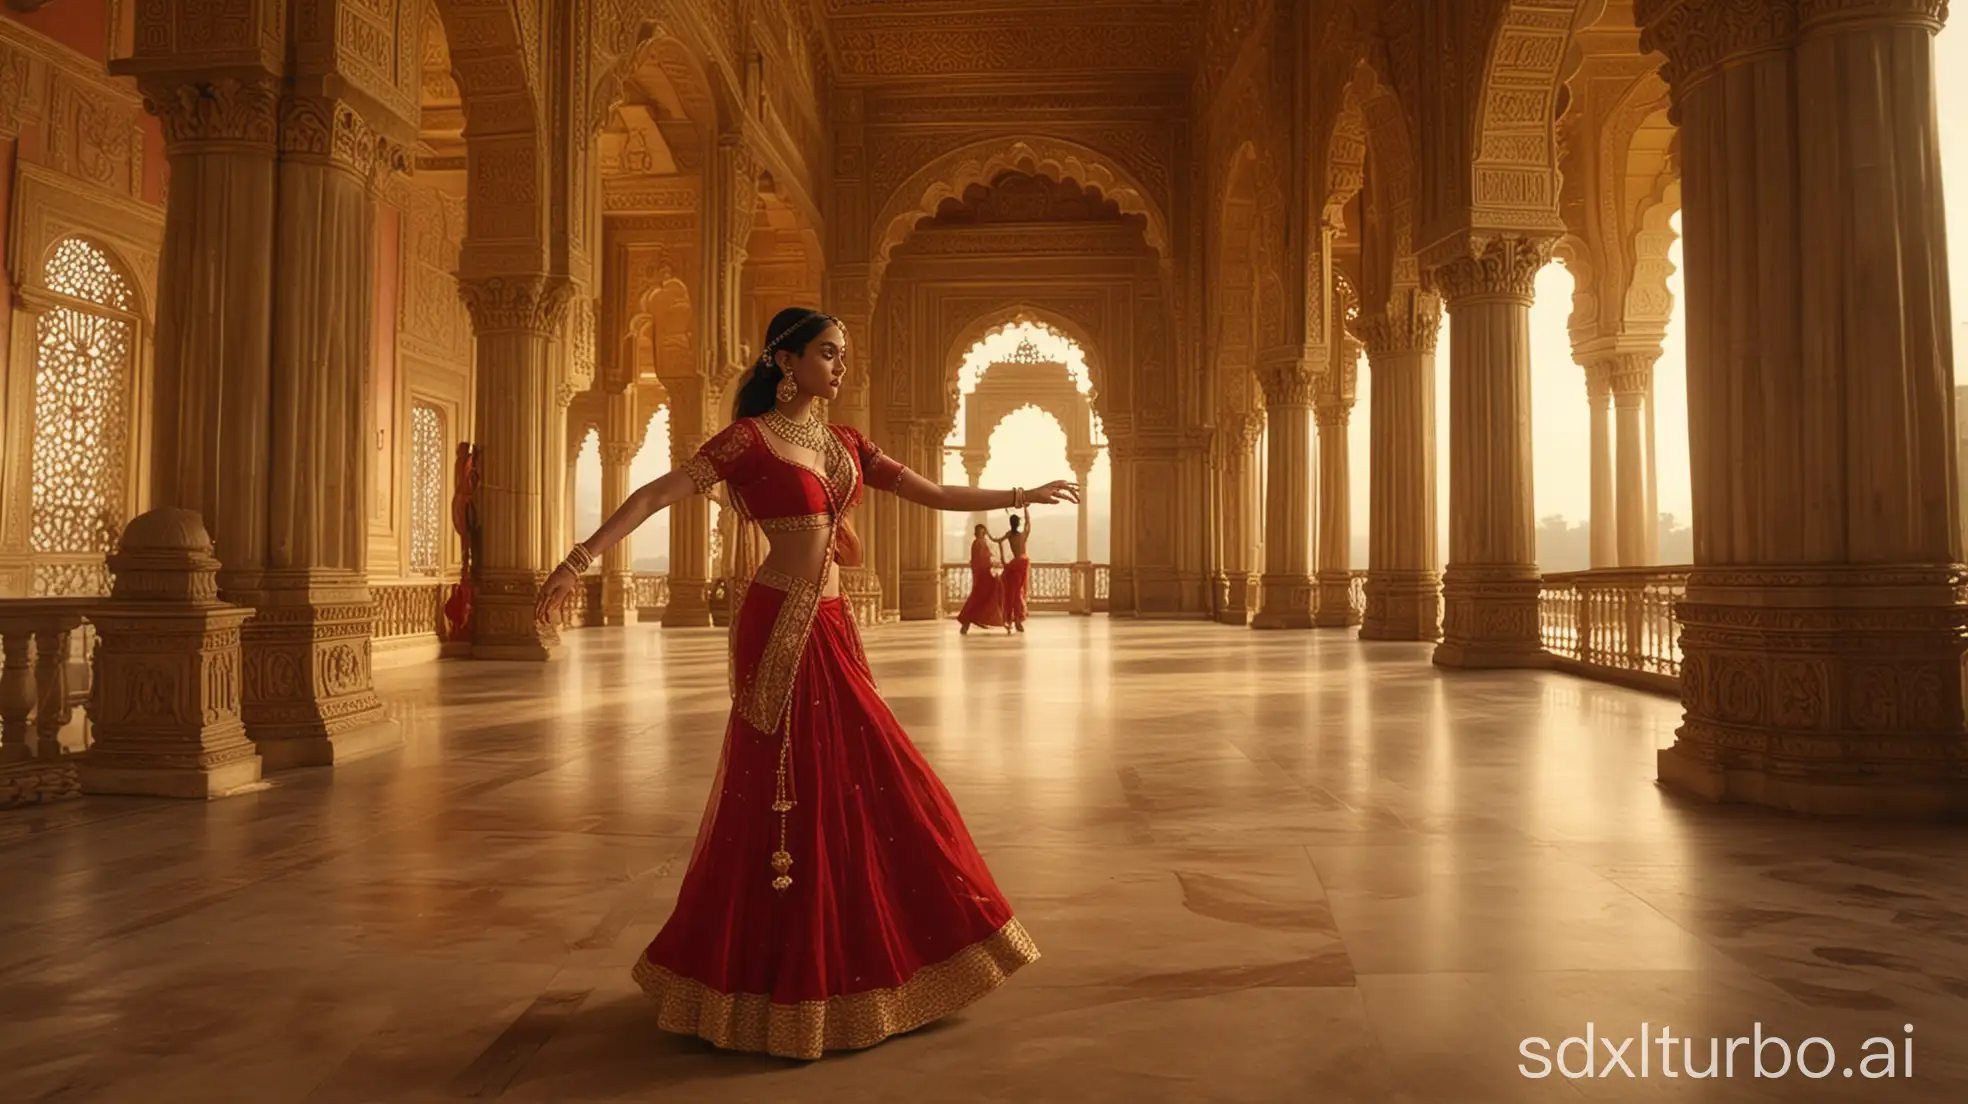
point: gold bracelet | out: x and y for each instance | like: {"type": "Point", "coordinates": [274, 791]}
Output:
{"type": "Point", "coordinates": [1017, 498]}
{"type": "Point", "coordinates": [578, 560]}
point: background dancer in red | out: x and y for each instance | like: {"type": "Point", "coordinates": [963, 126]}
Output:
{"type": "Point", "coordinates": [985, 606]}
{"type": "Point", "coordinates": [834, 897]}
{"type": "Point", "coordinates": [1017, 578]}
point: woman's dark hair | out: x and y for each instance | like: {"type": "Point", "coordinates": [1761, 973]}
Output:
{"type": "Point", "coordinates": [792, 330]}
{"type": "Point", "coordinates": [1014, 523]}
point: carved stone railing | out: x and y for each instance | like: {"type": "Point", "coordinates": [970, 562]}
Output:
{"type": "Point", "coordinates": [410, 609]}
{"type": "Point", "coordinates": [46, 677]}
{"type": "Point", "coordinates": [652, 595]}
{"type": "Point", "coordinates": [1055, 588]}
{"type": "Point", "coordinates": [1616, 624]}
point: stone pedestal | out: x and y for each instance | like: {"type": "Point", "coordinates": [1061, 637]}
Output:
{"type": "Point", "coordinates": [1404, 599]}
{"type": "Point", "coordinates": [1289, 598]}
{"type": "Point", "coordinates": [1824, 624]}
{"type": "Point", "coordinates": [168, 670]}
{"type": "Point", "coordinates": [307, 699]}
{"type": "Point", "coordinates": [1490, 590]}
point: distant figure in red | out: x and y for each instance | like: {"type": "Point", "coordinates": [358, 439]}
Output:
{"type": "Point", "coordinates": [986, 604]}
{"type": "Point", "coordinates": [466, 474]}
{"type": "Point", "coordinates": [1017, 570]}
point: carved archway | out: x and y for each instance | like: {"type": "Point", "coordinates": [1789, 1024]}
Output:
{"type": "Point", "coordinates": [1058, 322]}
{"type": "Point", "coordinates": [948, 176]}
{"type": "Point", "coordinates": [494, 60]}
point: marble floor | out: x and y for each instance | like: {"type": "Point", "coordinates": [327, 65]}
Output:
{"type": "Point", "coordinates": [1262, 867]}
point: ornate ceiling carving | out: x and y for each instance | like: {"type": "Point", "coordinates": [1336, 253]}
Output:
{"type": "Point", "coordinates": [884, 39]}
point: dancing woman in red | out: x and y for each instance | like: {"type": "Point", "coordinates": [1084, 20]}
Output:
{"type": "Point", "coordinates": [985, 606]}
{"type": "Point", "coordinates": [834, 897]}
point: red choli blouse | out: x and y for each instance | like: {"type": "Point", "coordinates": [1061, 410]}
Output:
{"type": "Point", "coordinates": [781, 495]}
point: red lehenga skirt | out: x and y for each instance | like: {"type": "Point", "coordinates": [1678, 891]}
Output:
{"type": "Point", "coordinates": [1016, 578]}
{"type": "Point", "coordinates": [985, 606]}
{"type": "Point", "coordinates": [891, 919]}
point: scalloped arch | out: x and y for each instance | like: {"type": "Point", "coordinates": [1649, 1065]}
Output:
{"type": "Point", "coordinates": [1059, 322]}
{"type": "Point", "coordinates": [981, 162]}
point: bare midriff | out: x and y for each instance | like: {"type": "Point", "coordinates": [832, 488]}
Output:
{"type": "Point", "coordinates": [802, 556]}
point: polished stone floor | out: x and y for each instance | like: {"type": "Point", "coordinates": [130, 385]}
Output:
{"type": "Point", "coordinates": [1287, 867]}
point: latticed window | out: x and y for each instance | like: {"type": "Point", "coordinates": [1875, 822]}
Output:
{"type": "Point", "coordinates": [84, 346]}
{"type": "Point", "coordinates": [426, 488]}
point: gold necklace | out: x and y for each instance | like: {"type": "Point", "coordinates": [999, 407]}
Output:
{"type": "Point", "coordinates": [808, 435]}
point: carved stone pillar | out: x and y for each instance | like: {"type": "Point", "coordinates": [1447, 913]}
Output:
{"type": "Point", "coordinates": [618, 597]}
{"type": "Point", "coordinates": [1236, 470]}
{"type": "Point", "coordinates": [1404, 596]}
{"type": "Point", "coordinates": [1333, 411]}
{"type": "Point", "coordinates": [1122, 449]}
{"type": "Point", "coordinates": [1605, 524]}
{"type": "Point", "coordinates": [1490, 590]}
{"type": "Point", "coordinates": [1824, 624]}
{"type": "Point", "coordinates": [166, 720]}
{"type": "Point", "coordinates": [973, 462]}
{"type": "Point", "coordinates": [308, 699]}
{"type": "Point", "coordinates": [1631, 380]}
{"type": "Point", "coordinates": [690, 520]}
{"type": "Point", "coordinates": [1288, 384]}
{"type": "Point", "coordinates": [921, 530]}
{"type": "Point", "coordinates": [215, 307]}
{"type": "Point", "coordinates": [515, 319]}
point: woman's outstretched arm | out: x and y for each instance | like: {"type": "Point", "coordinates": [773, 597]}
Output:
{"type": "Point", "coordinates": [643, 503]}
{"type": "Point", "coordinates": [942, 496]}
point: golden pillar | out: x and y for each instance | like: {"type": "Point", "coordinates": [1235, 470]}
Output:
{"type": "Point", "coordinates": [1404, 582]}
{"type": "Point", "coordinates": [1490, 590]}
{"type": "Point", "coordinates": [1824, 623]}
{"type": "Point", "coordinates": [516, 319]}
{"type": "Point", "coordinates": [1288, 383]}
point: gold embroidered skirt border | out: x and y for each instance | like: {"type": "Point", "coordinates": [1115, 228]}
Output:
{"type": "Point", "coordinates": [852, 1021]}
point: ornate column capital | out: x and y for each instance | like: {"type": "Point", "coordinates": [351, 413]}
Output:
{"type": "Point", "coordinates": [1598, 382]}
{"type": "Point", "coordinates": [1629, 375]}
{"type": "Point", "coordinates": [1414, 330]}
{"type": "Point", "coordinates": [236, 111]}
{"type": "Point", "coordinates": [1503, 267]}
{"type": "Point", "coordinates": [534, 304]}
{"type": "Point", "coordinates": [618, 452]}
{"type": "Point", "coordinates": [1332, 415]}
{"type": "Point", "coordinates": [323, 130]}
{"type": "Point", "coordinates": [1287, 380]}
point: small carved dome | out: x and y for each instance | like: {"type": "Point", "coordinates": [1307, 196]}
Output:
{"type": "Point", "coordinates": [167, 529]}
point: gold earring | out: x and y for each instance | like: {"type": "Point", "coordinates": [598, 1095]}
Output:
{"type": "Point", "coordinates": [788, 390]}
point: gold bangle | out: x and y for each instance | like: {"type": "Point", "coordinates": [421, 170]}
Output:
{"type": "Point", "coordinates": [578, 560]}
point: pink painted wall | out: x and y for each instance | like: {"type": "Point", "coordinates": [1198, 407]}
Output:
{"type": "Point", "coordinates": [83, 26]}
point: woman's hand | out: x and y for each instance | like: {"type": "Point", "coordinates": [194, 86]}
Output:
{"type": "Point", "coordinates": [554, 594]}
{"type": "Point", "coordinates": [1059, 490]}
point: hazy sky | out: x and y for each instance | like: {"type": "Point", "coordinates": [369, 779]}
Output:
{"type": "Point", "coordinates": [1028, 449]}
